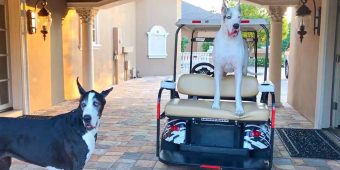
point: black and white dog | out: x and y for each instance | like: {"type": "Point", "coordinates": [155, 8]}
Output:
{"type": "Point", "coordinates": [62, 142]}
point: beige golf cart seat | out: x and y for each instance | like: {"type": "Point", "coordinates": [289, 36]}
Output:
{"type": "Point", "coordinates": [203, 86]}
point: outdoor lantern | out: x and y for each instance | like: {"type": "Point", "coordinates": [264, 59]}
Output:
{"type": "Point", "coordinates": [42, 22]}
{"type": "Point", "coordinates": [303, 14]}
{"type": "Point", "coordinates": [304, 17]}
{"type": "Point", "coordinates": [44, 19]}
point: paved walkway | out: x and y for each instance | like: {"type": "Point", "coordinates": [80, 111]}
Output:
{"type": "Point", "coordinates": [127, 134]}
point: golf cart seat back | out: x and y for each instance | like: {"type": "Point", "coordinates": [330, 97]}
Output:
{"type": "Point", "coordinates": [203, 85]}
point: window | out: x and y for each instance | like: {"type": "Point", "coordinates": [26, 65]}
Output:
{"type": "Point", "coordinates": [5, 83]}
{"type": "Point", "coordinates": [157, 42]}
{"type": "Point", "coordinates": [95, 31]}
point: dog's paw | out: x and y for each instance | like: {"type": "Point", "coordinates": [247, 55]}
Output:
{"type": "Point", "coordinates": [239, 112]}
{"type": "Point", "coordinates": [215, 106]}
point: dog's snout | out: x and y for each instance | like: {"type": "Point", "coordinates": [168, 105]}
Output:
{"type": "Point", "coordinates": [236, 26]}
{"type": "Point", "coordinates": [87, 118]}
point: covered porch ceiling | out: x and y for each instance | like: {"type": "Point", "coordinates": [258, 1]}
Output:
{"type": "Point", "coordinates": [94, 3]}
{"type": "Point", "coordinates": [99, 3]}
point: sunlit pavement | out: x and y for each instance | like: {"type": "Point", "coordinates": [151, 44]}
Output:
{"type": "Point", "coordinates": [127, 134]}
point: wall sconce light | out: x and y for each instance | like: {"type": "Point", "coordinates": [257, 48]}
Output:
{"type": "Point", "coordinates": [302, 13]}
{"type": "Point", "coordinates": [43, 21]}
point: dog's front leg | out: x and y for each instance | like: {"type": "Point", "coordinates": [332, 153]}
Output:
{"type": "Point", "coordinates": [75, 164]}
{"type": "Point", "coordinates": [5, 163]}
{"type": "Point", "coordinates": [238, 83]}
{"type": "Point", "coordinates": [77, 167]}
{"type": "Point", "coordinates": [217, 96]}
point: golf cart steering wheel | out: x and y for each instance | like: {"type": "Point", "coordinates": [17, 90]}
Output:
{"type": "Point", "coordinates": [203, 68]}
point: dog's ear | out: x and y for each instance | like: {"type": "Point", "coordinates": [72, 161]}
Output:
{"type": "Point", "coordinates": [106, 92]}
{"type": "Point", "coordinates": [224, 7]}
{"type": "Point", "coordinates": [81, 89]}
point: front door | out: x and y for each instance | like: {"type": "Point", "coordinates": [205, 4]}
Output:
{"type": "Point", "coordinates": [336, 79]}
{"type": "Point", "coordinates": [5, 99]}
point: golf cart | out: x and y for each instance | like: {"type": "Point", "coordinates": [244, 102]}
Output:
{"type": "Point", "coordinates": [196, 135]}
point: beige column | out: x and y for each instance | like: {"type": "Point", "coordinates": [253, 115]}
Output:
{"type": "Point", "coordinates": [276, 14]}
{"type": "Point", "coordinates": [87, 15]}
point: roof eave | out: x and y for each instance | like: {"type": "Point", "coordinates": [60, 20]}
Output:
{"type": "Point", "coordinates": [94, 4]}
{"type": "Point", "coordinates": [274, 2]}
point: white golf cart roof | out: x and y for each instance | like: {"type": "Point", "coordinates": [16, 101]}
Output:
{"type": "Point", "coordinates": [247, 25]}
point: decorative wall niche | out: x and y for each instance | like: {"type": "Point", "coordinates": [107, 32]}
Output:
{"type": "Point", "coordinates": [157, 37]}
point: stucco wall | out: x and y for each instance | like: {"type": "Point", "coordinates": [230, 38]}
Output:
{"type": "Point", "coordinates": [54, 64]}
{"type": "Point", "coordinates": [303, 65]}
{"type": "Point", "coordinates": [105, 69]}
{"type": "Point", "coordinates": [57, 77]}
{"type": "Point", "coordinates": [72, 57]}
{"type": "Point", "coordinates": [122, 17]}
{"type": "Point", "coordinates": [156, 12]}
{"type": "Point", "coordinates": [44, 60]}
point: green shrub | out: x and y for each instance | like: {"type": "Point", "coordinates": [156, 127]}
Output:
{"type": "Point", "coordinates": [206, 45]}
{"type": "Point", "coordinates": [184, 43]}
{"type": "Point", "coordinates": [260, 61]}
{"type": "Point", "coordinates": [282, 60]}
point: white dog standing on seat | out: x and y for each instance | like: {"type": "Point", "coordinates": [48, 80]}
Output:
{"type": "Point", "coordinates": [230, 54]}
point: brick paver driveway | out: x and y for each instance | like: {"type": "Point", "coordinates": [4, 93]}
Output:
{"type": "Point", "coordinates": [126, 137]}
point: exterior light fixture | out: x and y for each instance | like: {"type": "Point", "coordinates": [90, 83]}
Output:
{"type": "Point", "coordinates": [43, 21]}
{"type": "Point", "coordinates": [303, 14]}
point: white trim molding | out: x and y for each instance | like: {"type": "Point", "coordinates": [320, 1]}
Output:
{"type": "Point", "coordinates": [325, 64]}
